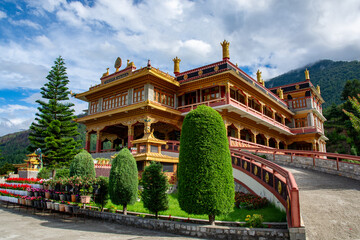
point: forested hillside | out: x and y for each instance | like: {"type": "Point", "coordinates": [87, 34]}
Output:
{"type": "Point", "coordinates": [14, 145]}
{"type": "Point", "coordinates": [330, 75]}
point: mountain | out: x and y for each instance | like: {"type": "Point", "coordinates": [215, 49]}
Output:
{"type": "Point", "coordinates": [14, 146]}
{"type": "Point", "coordinates": [329, 75]}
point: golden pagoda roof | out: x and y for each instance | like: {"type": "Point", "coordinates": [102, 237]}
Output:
{"type": "Point", "coordinates": [149, 138]}
{"type": "Point", "coordinates": [158, 157]}
{"type": "Point", "coordinates": [32, 158]}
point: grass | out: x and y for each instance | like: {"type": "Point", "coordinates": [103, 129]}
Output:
{"type": "Point", "coordinates": [270, 213]}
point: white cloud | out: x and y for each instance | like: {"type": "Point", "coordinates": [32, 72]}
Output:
{"type": "Point", "coordinates": [25, 22]}
{"type": "Point", "coordinates": [3, 14]}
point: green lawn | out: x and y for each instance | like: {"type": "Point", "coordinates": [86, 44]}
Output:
{"type": "Point", "coordinates": [270, 213]}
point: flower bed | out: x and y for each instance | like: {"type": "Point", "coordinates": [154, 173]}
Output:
{"type": "Point", "coordinates": [23, 180]}
{"type": "Point", "coordinates": [250, 201]}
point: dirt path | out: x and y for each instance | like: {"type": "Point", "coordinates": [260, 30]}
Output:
{"type": "Point", "coordinates": [329, 205]}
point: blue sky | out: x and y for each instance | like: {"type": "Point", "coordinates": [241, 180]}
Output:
{"type": "Point", "coordinates": [271, 35]}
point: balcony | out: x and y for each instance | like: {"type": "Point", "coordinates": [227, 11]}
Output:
{"type": "Point", "coordinates": [305, 130]}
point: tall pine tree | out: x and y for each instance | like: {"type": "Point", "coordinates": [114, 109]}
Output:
{"type": "Point", "coordinates": [54, 129]}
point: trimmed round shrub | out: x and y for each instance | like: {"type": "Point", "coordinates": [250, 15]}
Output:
{"type": "Point", "coordinates": [82, 165]}
{"type": "Point", "coordinates": [123, 180]}
{"type": "Point", "coordinates": [205, 179]}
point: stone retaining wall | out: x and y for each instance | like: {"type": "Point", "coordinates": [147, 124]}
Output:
{"type": "Point", "coordinates": [195, 230]}
{"type": "Point", "coordinates": [328, 166]}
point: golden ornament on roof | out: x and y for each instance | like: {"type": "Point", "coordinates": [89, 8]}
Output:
{"type": "Point", "coordinates": [118, 64]}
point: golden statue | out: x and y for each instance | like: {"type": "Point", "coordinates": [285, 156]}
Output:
{"type": "Point", "coordinates": [307, 75]}
{"type": "Point", "coordinates": [318, 89]}
{"type": "Point", "coordinates": [147, 126]}
{"type": "Point", "coordinates": [280, 92]}
{"type": "Point", "coordinates": [130, 64]}
{"type": "Point", "coordinates": [177, 65]}
{"type": "Point", "coordinates": [225, 47]}
{"type": "Point", "coordinates": [107, 73]}
{"type": "Point", "coordinates": [259, 79]}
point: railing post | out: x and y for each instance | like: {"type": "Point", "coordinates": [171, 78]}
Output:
{"type": "Point", "coordinates": [314, 160]}
{"type": "Point", "coordinates": [274, 156]}
{"type": "Point", "coordinates": [337, 163]}
{"type": "Point", "coordinates": [295, 208]}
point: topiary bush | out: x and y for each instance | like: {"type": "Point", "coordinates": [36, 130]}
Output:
{"type": "Point", "coordinates": [205, 180]}
{"type": "Point", "coordinates": [155, 185]}
{"type": "Point", "coordinates": [123, 180]}
{"type": "Point", "coordinates": [82, 165]}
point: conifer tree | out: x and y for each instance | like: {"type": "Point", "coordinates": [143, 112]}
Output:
{"type": "Point", "coordinates": [54, 129]}
{"type": "Point", "coordinates": [205, 179]}
{"type": "Point", "coordinates": [155, 186]}
{"type": "Point", "coordinates": [82, 165]}
{"type": "Point", "coordinates": [123, 180]}
{"type": "Point", "coordinates": [353, 118]}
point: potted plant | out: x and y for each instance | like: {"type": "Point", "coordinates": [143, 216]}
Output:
{"type": "Point", "coordinates": [85, 194]}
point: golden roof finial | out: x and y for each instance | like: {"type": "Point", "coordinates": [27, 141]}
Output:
{"type": "Point", "coordinates": [107, 73]}
{"type": "Point", "coordinates": [118, 63]}
{"type": "Point", "coordinates": [259, 79]}
{"type": "Point", "coordinates": [307, 75]}
{"type": "Point", "coordinates": [176, 65]}
{"type": "Point", "coordinates": [280, 92]}
{"type": "Point", "coordinates": [318, 89]}
{"type": "Point", "coordinates": [225, 47]}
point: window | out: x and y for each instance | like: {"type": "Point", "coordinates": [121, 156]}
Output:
{"type": "Point", "coordinates": [154, 149]}
{"type": "Point", "coordinates": [115, 101]}
{"type": "Point", "coordinates": [163, 97]}
{"type": "Point", "coordinates": [142, 148]}
{"type": "Point", "coordinates": [139, 95]}
{"type": "Point", "coordinates": [237, 95]}
{"type": "Point", "coordinates": [190, 98]}
{"type": "Point", "coordinates": [93, 107]}
{"type": "Point", "coordinates": [210, 93]}
{"type": "Point", "coordinates": [301, 122]}
{"type": "Point", "coordinates": [299, 102]}
{"type": "Point", "coordinates": [168, 167]}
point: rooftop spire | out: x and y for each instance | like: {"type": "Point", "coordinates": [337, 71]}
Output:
{"type": "Point", "coordinates": [176, 65]}
{"type": "Point", "coordinates": [225, 47]}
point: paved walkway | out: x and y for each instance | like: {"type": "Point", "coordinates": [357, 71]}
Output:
{"type": "Point", "coordinates": [25, 225]}
{"type": "Point", "coordinates": [329, 205]}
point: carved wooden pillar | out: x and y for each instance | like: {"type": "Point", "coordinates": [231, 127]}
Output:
{"type": "Point", "coordinates": [87, 141]}
{"type": "Point", "coordinates": [277, 143]}
{"type": "Point", "coordinates": [98, 141]}
{"type": "Point", "coordinates": [254, 138]}
{"type": "Point", "coordinates": [262, 107]}
{"type": "Point", "coordinates": [130, 135]}
{"type": "Point", "coordinates": [227, 91]}
{"type": "Point", "coordinates": [246, 99]}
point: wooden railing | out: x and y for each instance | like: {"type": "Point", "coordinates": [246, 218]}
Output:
{"type": "Point", "coordinates": [312, 154]}
{"type": "Point", "coordinates": [211, 103]}
{"type": "Point", "coordinates": [277, 180]}
{"type": "Point", "coordinates": [235, 142]}
{"type": "Point", "coordinates": [171, 146]}
{"type": "Point", "coordinates": [258, 114]}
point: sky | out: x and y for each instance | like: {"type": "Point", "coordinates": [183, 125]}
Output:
{"type": "Point", "coordinates": [274, 36]}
